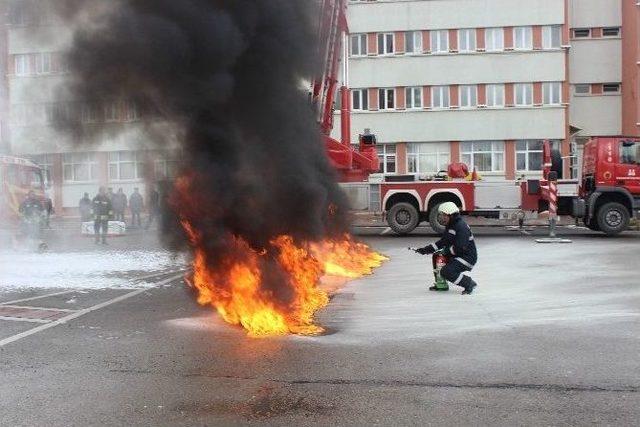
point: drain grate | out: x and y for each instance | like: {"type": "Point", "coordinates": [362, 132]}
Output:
{"type": "Point", "coordinates": [31, 314]}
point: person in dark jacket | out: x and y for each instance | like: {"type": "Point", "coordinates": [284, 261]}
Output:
{"type": "Point", "coordinates": [119, 204]}
{"type": "Point", "coordinates": [85, 208]}
{"type": "Point", "coordinates": [32, 210]}
{"type": "Point", "coordinates": [154, 207]}
{"type": "Point", "coordinates": [136, 204]}
{"type": "Point", "coordinates": [102, 211]}
{"type": "Point", "coordinates": [457, 243]}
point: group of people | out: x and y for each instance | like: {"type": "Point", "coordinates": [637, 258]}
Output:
{"type": "Point", "coordinates": [109, 206]}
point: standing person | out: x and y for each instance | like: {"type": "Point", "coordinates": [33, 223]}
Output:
{"type": "Point", "coordinates": [32, 211]}
{"type": "Point", "coordinates": [136, 204]}
{"type": "Point", "coordinates": [119, 202]}
{"type": "Point", "coordinates": [458, 243]}
{"type": "Point", "coordinates": [102, 210]}
{"type": "Point", "coordinates": [48, 205]}
{"type": "Point", "coordinates": [154, 206]}
{"type": "Point", "coordinates": [84, 206]}
{"type": "Point", "coordinates": [110, 196]}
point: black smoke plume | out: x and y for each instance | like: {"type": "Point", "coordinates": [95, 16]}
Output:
{"type": "Point", "coordinates": [227, 77]}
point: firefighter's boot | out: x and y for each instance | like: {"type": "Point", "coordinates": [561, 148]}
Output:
{"type": "Point", "coordinates": [469, 285]}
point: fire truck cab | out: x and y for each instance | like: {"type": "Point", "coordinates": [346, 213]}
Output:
{"type": "Point", "coordinates": [610, 184]}
{"type": "Point", "coordinates": [17, 177]}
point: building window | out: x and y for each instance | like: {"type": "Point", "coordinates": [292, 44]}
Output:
{"type": "Point", "coordinates": [43, 63]}
{"type": "Point", "coordinates": [387, 158]}
{"type": "Point", "coordinates": [131, 111]}
{"type": "Point", "coordinates": [385, 43]}
{"type": "Point", "coordinates": [552, 93]}
{"type": "Point", "coordinates": [90, 113]}
{"type": "Point", "coordinates": [413, 96]}
{"type": "Point", "coordinates": [611, 32]}
{"type": "Point", "coordinates": [386, 99]}
{"type": "Point", "coordinates": [485, 156]}
{"type": "Point", "coordinates": [524, 94]}
{"type": "Point", "coordinates": [582, 89]}
{"type": "Point", "coordinates": [440, 41]}
{"type": "Point", "coordinates": [467, 40]}
{"type": "Point", "coordinates": [523, 38]}
{"type": "Point", "coordinates": [360, 99]}
{"type": "Point", "coordinates": [125, 166]}
{"type": "Point", "coordinates": [551, 36]}
{"type": "Point", "coordinates": [168, 166]}
{"type": "Point", "coordinates": [440, 97]}
{"type": "Point", "coordinates": [529, 155]}
{"type": "Point", "coordinates": [112, 111]}
{"type": "Point", "coordinates": [413, 42]}
{"type": "Point", "coordinates": [611, 88]}
{"type": "Point", "coordinates": [468, 96]}
{"type": "Point", "coordinates": [22, 65]}
{"type": "Point", "coordinates": [581, 33]}
{"type": "Point", "coordinates": [80, 167]}
{"type": "Point", "coordinates": [494, 39]}
{"type": "Point", "coordinates": [428, 157]}
{"type": "Point", "coordinates": [495, 95]}
{"type": "Point", "coordinates": [358, 44]}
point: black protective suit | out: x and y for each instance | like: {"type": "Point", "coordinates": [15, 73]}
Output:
{"type": "Point", "coordinates": [458, 243]}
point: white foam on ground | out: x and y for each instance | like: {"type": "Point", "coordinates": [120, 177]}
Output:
{"type": "Point", "coordinates": [84, 270]}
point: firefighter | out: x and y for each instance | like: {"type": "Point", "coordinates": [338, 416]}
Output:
{"type": "Point", "coordinates": [102, 211]}
{"type": "Point", "coordinates": [32, 211]}
{"type": "Point", "coordinates": [458, 243]}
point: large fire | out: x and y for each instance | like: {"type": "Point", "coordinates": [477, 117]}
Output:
{"type": "Point", "coordinates": [236, 286]}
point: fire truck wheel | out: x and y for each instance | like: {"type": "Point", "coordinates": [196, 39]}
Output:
{"type": "Point", "coordinates": [403, 218]}
{"type": "Point", "coordinates": [613, 218]}
{"type": "Point", "coordinates": [433, 220]}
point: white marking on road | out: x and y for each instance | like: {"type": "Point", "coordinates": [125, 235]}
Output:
{"type": "Point", "coordinates": [22, 319]}
{"type": "Point", "coordinates": [38, 297]}
{"type": "Point", "coordinates": [82, 312]}
{"type": "Point", "coordinates": [28, 307]}
{"type": "Point", "coordinates": [386, 231]}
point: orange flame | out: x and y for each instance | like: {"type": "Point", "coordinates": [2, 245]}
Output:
{"type": "Point", "coordinates": [236, 288]}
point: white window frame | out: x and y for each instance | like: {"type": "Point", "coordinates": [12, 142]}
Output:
{"type": "Point", "coordinates": [361, 43]}
{"type": "Point", "coordinates": [495, 95]}
{"type": "Point", "coordinates": [362, 95]}
{"type": "Point", "coordinates": [439, 153]}
{"type": "Point", "coordinates": [43, 63]}
{"type": "Point", "coordinates": [587, 36]}
{"type": "Point", "coordinates": [549, 36]}
{"type": "Point", "coordinates": [617, 35]}
{"type": "Point", "coordinates": [467, 40]}
{"type": "Point", "coordinates": [615, 92]}
{"type": "Point", "coordinates": [439, 41]}
{"type": "Point", "coordinates": [526, 154]}
{"type": "Point", "coordinates": [552, 93]}
{"type": "Point", "coordinates": [469, 150]}
{"type": "Point", "coordinates": [468, 96]}
{"type": "Point", "coordinates": [443, 98]}
{"type": "Point", "coordinates": [494, 39]}
{"type": "Point", "coordinates": [416, 42]}
{"type": "Point", "coordinates": [386, 47]}
{"type": "Point", "coordinates": [387, 155]}
{"type": "Point", "coordinates": [523, 38]}
{"type": "Point", "coordinates": [384, 102]}
{"type": "Point", "coordinates": [117, 163]}
{"type": "Point", "coordinates": [72, 161]}
{"type": "Point", "coordinates": [523, 94]}
{"type": "Point", "coordinates": [22, 64]}
{"type": "Point", "coordinates": [413, 98]}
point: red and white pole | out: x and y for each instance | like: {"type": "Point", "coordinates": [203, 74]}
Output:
{"type": "Point", "coordinates": [553, 205]}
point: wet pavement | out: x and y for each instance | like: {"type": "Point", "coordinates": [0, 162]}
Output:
{"type": "Point", "coordinates": [551, 337]}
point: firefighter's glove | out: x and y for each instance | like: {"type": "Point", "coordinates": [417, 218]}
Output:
{"type": "Point", "coordinates": [425, 251]}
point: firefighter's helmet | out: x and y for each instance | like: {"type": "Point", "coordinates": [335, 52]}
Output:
{"type": "Point", "coordinates": [448, 208]}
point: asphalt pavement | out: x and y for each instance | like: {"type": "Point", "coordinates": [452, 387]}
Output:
{"type": "Point", "coordinates": [550, 337]}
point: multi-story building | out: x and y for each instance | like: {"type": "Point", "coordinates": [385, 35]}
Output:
{"type": "Point", "coordinates": [36, 40]}
{"type": "Point", "coordinates": [486, 81]}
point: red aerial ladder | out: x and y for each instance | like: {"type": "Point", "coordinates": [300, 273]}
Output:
{"type": "Point", "coordinates": [351, 164]}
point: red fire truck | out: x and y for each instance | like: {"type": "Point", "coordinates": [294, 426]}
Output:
{"type": "Point", "coordinates": [17, 177]}
{"type": "Point", "coordinates": [605, 197]}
